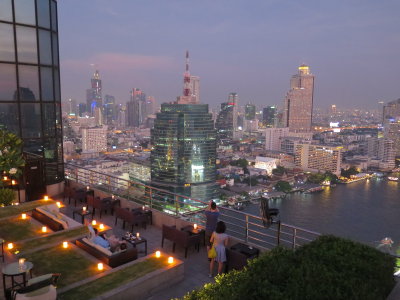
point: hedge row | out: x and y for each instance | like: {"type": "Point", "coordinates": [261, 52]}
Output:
{"type": "Point", "coordinates": [328, 268]}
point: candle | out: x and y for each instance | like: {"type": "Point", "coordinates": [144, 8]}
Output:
{"type": "Point", "coordinates": [100, 266]}
{"type": "Point", "coordinates": [137, 234]}
{"type": "Point", "coordinates": [44, 229]}
{"type": "Point", "coordinates": [5, 178]}
{"type": "Point", "coordinates": [143, 207]}
{"type": "Point", "coordinates": [87, 188]}
{"type": "Point", "coordinates": [23, 216]}
{"type": "Point", "coordinates": [170, 260]}
{"type": "Point", "coordinates": [13, 182]}
{"type": "Point", "coordinates": [65, 244]}
{"type": "Point", "coordinates": [84, 208]}
{"type": "Point", "coordinates": [101, 226]}
{"type": "Point", "coordinates": [10, 246]}
{"type": "Point", "coordinates": [46, 197]}
{"type": "Point", "coordinates": [112, 197]}
{"type": "Point", "coordinates": [59, 204]}
{"type": "Point", "coordinates": [195, 226]}
{"type": "Point", "coordinates": [21, 262]}
{"type": "Point", "coordinates": [158, 254]}
{"type": "Point", "coordinates": [94, 222]}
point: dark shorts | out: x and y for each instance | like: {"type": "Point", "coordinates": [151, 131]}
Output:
{"type": "Point", "coordinates": [208, 237]}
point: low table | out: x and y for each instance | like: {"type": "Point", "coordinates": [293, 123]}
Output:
{"type": "Point", "coordinates": [247, 250]}
{"type": "Point", "coordinates": [197, 231]}
{"type": "Point", "coordinates": [101, 231]}
{"type": "Point", "coordinates": [14, 269]}
{"type": "Point", "coordinates": [135, 241]}
{"type": "Point", "coordinates": [81, 213]}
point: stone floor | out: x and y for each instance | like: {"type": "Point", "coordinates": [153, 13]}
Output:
{"type": "Point", "coordinates": [196, 263]}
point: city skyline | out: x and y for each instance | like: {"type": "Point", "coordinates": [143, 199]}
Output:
{"type": "Point", "coordinates": [343, 44]}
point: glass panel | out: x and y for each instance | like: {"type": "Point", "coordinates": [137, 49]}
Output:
{"type": "Point", "coordinates": [7, 52]}
{"type": "Point", "coordinates": [58, 120]}
{"type": "Point", "coordinates": [28, 83]}
{"type": "Point", "coordinates": [26, 44]}
{"type": "Point", "coordinates": [25, 11]}
{"type": "Point", "coordinates": [6, 10]}
{"type": "Point", "coordinates": [43, 11]}
{"type": "Point", "coordinates": [57, 85]}
{"type": "Point", "coordinates": [8, 82]}
{"type": "Point", "coordinates": [46, 75]}
{"type": "Point", "coordinates": [9, 117]}
{"type": "Point", "coordinates": [50, 147]}
{"type": "Point", "coordinates": [49, 120]}
{"type": "Point", "coordinates": [30, 120]}
{"type": "Point", "coordinates": [45, 47]}
{"type": "Point", "coordinates": [33, 146]}
{"type": "Point", "coordinates": [54, 15]}
{"type": "Point", "coordinates": [55, 49]}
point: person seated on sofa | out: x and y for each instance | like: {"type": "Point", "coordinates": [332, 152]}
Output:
{"type": "Point", "coordinates": [111, 242]}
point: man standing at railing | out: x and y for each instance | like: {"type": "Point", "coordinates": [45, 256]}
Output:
{"type": "Point", "coordinates": [212, 214]}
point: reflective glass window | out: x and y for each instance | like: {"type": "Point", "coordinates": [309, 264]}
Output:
{"type": "Point", "coordinates": [26, 44]}
{"type": "Point", "coordinates": [46, 75]}
{"type": "Point", "coordinates": [9, 117]}
{"type": "Point", "coordinates": [25, 11]}
{"type": "Point", "coordinates": [33, 146]}
{"type": "Point", "coordinates": [49, 120]}
{"type": "Point", "coordinates": [55, 49]}
{"type": "Point", "coordinates": [7, 52]}
{"type": "Point", "coordinates": [28, 83]}
{"type": "Point", "coordinates": [45, 47]}
{"type": "Point", "coordinates": [50, 147]}
{"type": "Point", "coordinates": [31, 120]}
{"type": "Point", "coordinates": [54, 15]}
{"type": "Point", "coordinates": [58, 122]}
{"type": "Point", "coordinates": [57, 85]}
{"type": "Point", "coordinates": [6, 10]}
{"type": "Point", "coordinates": [8, 82]}
{"type": "Point", "coordinates": [43, 11]}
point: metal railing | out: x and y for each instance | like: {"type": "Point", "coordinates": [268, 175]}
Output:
{"type": "Point", "coordinates": [243, 226]}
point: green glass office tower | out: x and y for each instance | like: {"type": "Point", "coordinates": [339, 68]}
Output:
{"type": "Point", "coordinates": [30, 101]}
{"type": "Point", "coordinates": [184, 151]}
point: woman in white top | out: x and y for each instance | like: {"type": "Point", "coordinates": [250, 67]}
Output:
{"type": "Point", "coordinates": [219, 240]}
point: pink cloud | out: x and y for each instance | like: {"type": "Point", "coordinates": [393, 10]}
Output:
{"type": "Point", "coordinates": [120, 62]}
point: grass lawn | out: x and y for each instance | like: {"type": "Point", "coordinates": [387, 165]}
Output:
{"type": "Point", "coordinates": [15, 229]}
{"type": "Point", "coordinates": [114, 280]}
{"type": "Point", "coordinates": [70, 263]}
{"type": "Point", "coordinates": [13, 210]}
{"type": "Point", "coordinates": [58, 237]}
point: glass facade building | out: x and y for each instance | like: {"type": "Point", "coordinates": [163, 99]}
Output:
{"type": "Point", "coordinates": [30, 100]}
{"type": "Point", "coordinates": [184, 151]}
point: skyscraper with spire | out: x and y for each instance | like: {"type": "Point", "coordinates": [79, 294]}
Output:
{"type": "Point", "coordinates": [93, 95]}
{"type": "Point", "coordinates": [298, 104]}
{"type": "Point", "coordinates": [184, 146]}
{"type": "Point", "coordinates": [191, 85]}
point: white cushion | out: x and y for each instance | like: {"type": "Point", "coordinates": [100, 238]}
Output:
{"type": "Point", "coordinates": [53, 208]}
{"type": "Point", "coordinates": [53, 216]}
{"type": "Point", "coordinates": [39, 278]}
{"type": "Point", "coordinates": [91, 234]}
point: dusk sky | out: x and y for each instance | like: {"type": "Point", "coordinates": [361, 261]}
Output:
{"type": "Point", "coordinates": [248, 47]}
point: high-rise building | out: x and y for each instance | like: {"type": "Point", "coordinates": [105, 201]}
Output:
{"type": "Point", "coordinates": [136, 108]}
{"type": "Point", "coordinates": [273, 138]}
{"type": "Point", "coordinates": [318, 158]}
{"type": "Point", "coordinates": [82, 109]}
{"type": "Point", "coordinates": [30, 100]}
{"type": "Point", "coordinates": [392, 132]}
{"type": "Point", "coordinates": [195, 88]}
{"type": "Point", "coordinates": [109, 109]}
{"type": "Point", "coordinates": [250, 111]}
{"type": "Point", "coordinates": [94, 139]}
{"type": "Point", "coordinates": [184, 148]}
{"type": "Point", "coordinates": [391, 111]}
{"type": "Point", "coordinates": [382, 149]}
{"type": "Point", "coordinates": [270, 115]}
{"type": "Point", "coordinates": [72, 107]}
{"type": "Point", "coordinates": [227, 119]}
{"type": "Point", "coordinates": [93, 95]}
{"type": "Point", "coordinates": [298, 104]}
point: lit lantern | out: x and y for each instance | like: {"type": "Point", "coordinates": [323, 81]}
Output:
{"type": "Point", "coordinates": [87, 188]}
{"type": "Point", "coordinates": [158, 254]}
{"type": "Point", "coordinates": [170, 260]}
{"type": "Point", "coordinates": [23, 216]}
{"type": "Point", "coordinates": [195, 226]}
{"type": "Point", "coordinates": [101, 226]}
{"type": "Point", "coordinates": [59, 204]}
{"type": "Point", "coordinates": [84, 209]}
{"type": "Point", "coordinates": [100, 266]}
{"type": "Point", "coordinates": [13, 182]}
{"type": "Point", "coordinates": [143, 207]}
{"type": "Point", "coordinates": [10, 246]}
{"type": "Point", "coordinates": [112, 197]}
{"type": "Point", "coordinates": [44, 229]}
{"type": "Point", "coordinates": [46, 197]}
{"type": "Point", "coordinates": [137, 234]}
{"type": "Point", "coordinates": [94, 222]}
{"type": "Point", "coordinates": [5, 178]}
{"type": "Point", "coordinates": [65, 245]}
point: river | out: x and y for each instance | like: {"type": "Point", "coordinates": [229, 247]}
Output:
{"type": "Point", "coordinates": [366, 211]}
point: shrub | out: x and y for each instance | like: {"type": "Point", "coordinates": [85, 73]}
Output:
{"type": "Point", "coordinates": [7, 196]}
{"type": "Point", "coordinates": [328, 268]}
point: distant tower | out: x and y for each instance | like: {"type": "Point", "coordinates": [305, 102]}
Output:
{"type": "Point", "coordinates": [299, 101]}
{"type": "Point", "coordinates": [191, 91]}
{"type": "Point", "coordinates": [93, 95]}
{"type": "Point", "coordinates": [227, 119]}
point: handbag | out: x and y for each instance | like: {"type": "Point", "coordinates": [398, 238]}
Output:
{"type": "Point", "coordinates": [212, 253]}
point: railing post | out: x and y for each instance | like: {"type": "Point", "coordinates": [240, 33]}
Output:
{"type": "Point", "coordinates": [176, 205]}
{"type": "Point", "coordinates": [279, 233]}
{"type": "Point", "coordinates": [294, 238]}
{"type": "Point", "coordinates": [247, 228]}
